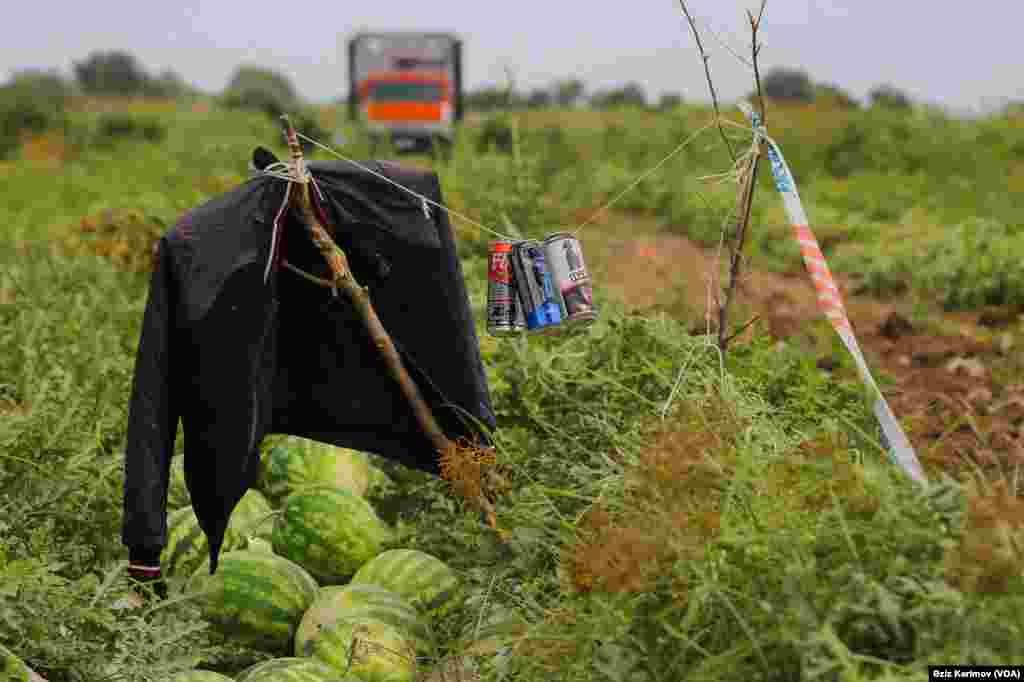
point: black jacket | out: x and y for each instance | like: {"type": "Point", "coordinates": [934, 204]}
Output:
{"type": "Point", "coordinates": [236, 358]}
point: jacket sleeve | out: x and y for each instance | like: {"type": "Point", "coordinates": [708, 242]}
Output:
{"type": "Point", "coordinates": [153, 415]}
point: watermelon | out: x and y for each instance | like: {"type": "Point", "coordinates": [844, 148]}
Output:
{"type": "Point", "coordinates": [330, 532]}
{"type": "Point", "coordinates": [296, 463]}
{"type": "Point", "coordinates": [199, 676]}
{"type": "Point", "coordinates": [186, 543]}
{"type": "Point", "coordinates": [12, 668]}
{"type": "Point", "coordinates": [254, 597]}
{"type": "Point", "coordinates": [259, 545]}
{"type": "Point", "coordinates": [177, 490]}
{"type": "Point", "coordinates": [348, 601]}
{"type": "Point", "coordinates": [252, 516]}
{"type": "Point", "coordinates": [370, 649]}
{"type": "Point", "coordinates": [292, 670]}
{"type": "Point", "coordinates": [424, 580]}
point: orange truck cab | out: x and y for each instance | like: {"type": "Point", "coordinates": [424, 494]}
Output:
{"type": "Point", "coordinates": [406, 86]}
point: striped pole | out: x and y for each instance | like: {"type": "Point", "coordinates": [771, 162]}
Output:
{"type": "Point", "coordinates": [831, 304]}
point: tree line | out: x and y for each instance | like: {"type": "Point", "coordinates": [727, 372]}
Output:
{"type": "Point", "coordinates": [781, 84]}
{"type": "Point", "coordinates": [116, 72]}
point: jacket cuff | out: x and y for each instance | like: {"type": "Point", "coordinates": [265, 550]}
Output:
{"type": "Point", "coordinates": [143, 556]}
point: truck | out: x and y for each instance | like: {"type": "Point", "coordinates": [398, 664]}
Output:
{"type": "Point", "coordinates": [406, 87]}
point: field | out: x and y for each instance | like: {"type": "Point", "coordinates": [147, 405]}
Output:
{"type": "Point", "coordinates": [674, 514]}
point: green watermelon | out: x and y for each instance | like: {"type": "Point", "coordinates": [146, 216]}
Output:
{"type": "Point", "coordinates": [252, 516]}
{"type": "Point", "coordinates": [292, 670]}
{"type": "Point", "coordinates": [259, 545]}
{"type": "Point", "coordinates": [177, 491]}
{"type": "Point", "coordinates": [186, 543]}
{"type": "Point", "coordinates": [370, 649]}
{"type": "Point", "coordinates": [199, 676]}
{"type": "Point", "coordinates": [424, 580]}
{"type": "Point", "coordinates": [295, 463]}
{"type": "Point", "coordinates": [254, 597]}
{"type": "Point", "coordinates": [330, 532]}
{"type": "Point", "coordinates": [348, 601]}
{"type": "Point", "coordinates": [12, 668]}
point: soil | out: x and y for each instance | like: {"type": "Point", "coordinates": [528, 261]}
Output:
{"type": "Point", "coordinates": [954, 380]}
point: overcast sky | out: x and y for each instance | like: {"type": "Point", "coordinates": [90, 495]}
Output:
{"type": "Point", "coordinates": [960, 55]}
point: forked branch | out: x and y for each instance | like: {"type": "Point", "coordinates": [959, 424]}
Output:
{"type": "Point", "coordinates": [747, 176]}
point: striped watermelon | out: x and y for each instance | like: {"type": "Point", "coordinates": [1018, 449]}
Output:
{"type": "Point", "coordinates": [292, 670]}
{"type": "Point", "coordinates": [252, 516]}
{"type": "Point", "coordinates": [12, 668]}
{"type": "Point", "coordinates": [295, 463]}
{"type": "Point", "coordinates": [350, 601]}
{"type": "Point", "coordinates": [424, 580]}
{"type": "Point", "coordinates": [330, 532]}
{"type": "Point", "coordinates": [255, 597]}
{"type": "Point", "coordinates": [177, 490]}
{"type": "Point", "coordinates": [200, 676]}
{"type": "Point", "coordinates": [370, 649]}
{"type": "Point", "coordinates": [186, 543]}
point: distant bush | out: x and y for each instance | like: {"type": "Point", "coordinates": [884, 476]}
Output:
{"type": "Point", "coordinates": [539, 99]}
{"type": "Point", "coordinates": [495, 136]}
{"type": "Point", "coordinates": [630, 94]}
{"type": "Point", "coordinates": [113, 128]}
{"type": "Point", "coordinates": [889, 97]}
{"type": "Point", "coordinates": [260, 89]}
{"type": "Point", "coordinates": [257, 89]}
{"type": "Point", "coordinates": [31, 103]}
{"type": "Point", "coordinates": [111, 73]}
{"type": "Point", "coordinates": [836, 95]}
{"type": "Point", "coordinates": [788, 84]}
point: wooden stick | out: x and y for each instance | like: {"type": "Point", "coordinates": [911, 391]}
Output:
{"type": "Point", "coordinates": [342, 277]}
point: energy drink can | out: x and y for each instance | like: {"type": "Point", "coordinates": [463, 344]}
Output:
{"type": "Point", "coordinates": [504, 311]}
{"type": "Point", "coordinates": [533, 284]}
{"type": "Point", "coordinates": [570, 277]}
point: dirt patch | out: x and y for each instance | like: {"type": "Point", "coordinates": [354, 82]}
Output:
{"type": "Point", "coordinates": [945, 375]}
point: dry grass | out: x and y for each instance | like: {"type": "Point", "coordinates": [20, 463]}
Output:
{"type": "Point", "coordinates": [990, 552]}
{"type": "Point", "coordinates": [672, 507]}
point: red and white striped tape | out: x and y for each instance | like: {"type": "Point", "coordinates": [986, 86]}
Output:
{"type": "Point", "coordinates": [830, 301]}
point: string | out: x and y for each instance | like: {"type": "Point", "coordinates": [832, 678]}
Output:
{"type": "Point", "coordinates": [644, 175]}
{"type": "Point", "coordinates": [682, 145]}
{"type": "Point", "coordinates": [406, 189]}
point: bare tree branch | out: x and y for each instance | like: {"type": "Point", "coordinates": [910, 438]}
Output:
{"type": "Point", "coordinates": [748, 185]}
{"type": "Point", "coordinates": [755, 25]}
{"type": "Point", "coordinates": [707, 72]}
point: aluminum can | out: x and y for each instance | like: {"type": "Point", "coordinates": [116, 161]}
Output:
{"type": "Point", "coordinates": [570, 278]}
{"type": "Point", "coordinates": [504, 311]}
{"type": "Point", "coordinates": [534, 287]}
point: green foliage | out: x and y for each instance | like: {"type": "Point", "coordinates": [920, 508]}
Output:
{"type": "Point", "coordinates": [787, 545]}
{"type": "Point", "coordinates": [254, 88]}
{"type": "Point", "coordinates": [114, 128]}
{"type": "Point", "coordinates": [111, 72]}
{"type": "Point", "coordinates": [30, 103]}
{"type": "Point", "coordinates": [260, 89]}
{"type": "Point", "coordinates": [889, 97]}
{"type": "Point", "coordinates": [629, 95]}
{"type": "Point", "coordinates": [788, 84]}
{"type": "Point", "coordinates": [972, 264]}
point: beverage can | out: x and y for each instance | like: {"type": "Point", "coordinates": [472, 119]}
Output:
{"type": "Point", "coordinates": [570, 277]}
